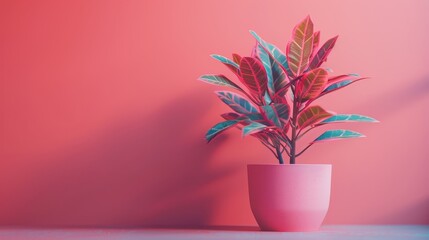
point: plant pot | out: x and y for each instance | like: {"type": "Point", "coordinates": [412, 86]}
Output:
{"type": "Point", "coordinates": [289, 197]}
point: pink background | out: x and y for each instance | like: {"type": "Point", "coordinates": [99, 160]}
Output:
{"type": "Point", "coordinates": [102, 118]}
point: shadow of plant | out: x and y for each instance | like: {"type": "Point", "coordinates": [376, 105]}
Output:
{"type": "Point", "coordinates": [146, 171]}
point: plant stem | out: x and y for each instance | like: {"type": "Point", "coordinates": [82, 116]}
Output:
{"type": "Point", "coordinates": [279, 155]}
{"type": "Point", "coordinates": [294, 127]}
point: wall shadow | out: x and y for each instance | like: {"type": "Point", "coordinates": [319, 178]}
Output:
{"type": "Point", "coordinates": [393, 101]}
{"type": "Point", "coordinates": [146, 171]}
{"type": "Point", "coordinates": [413, 214]}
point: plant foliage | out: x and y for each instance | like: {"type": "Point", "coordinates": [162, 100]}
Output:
{"type": "Point", "coordinates": [274, 102]}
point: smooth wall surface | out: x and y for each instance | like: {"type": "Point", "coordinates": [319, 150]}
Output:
{"type": "Point", "coordinates": [102, 119]}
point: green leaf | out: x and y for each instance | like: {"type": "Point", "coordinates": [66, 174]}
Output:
{"type": "Point", "coordinates": [218, 128]}
{"type": "Point", "coordinates": [230, 116]}
{"type": "Point", "coordinates": [236, 102]}
{"type": "Point", "coordinates": [267, 98]}
{"type": "Point", "coordinates": [257, 117]}
{"type": "Point", "coordinates": [277, 113]}
{"type": "Point", "coordinates": [341, 83]}
{"type": "Point", "coordinates": [312, 84]}
{"type": "Point", "coordinates": [347, 118]}
{"type": "Point", "coordinates": [276, 76]}
{"type": "Point", "coordinates": [299, 49]}
{"type": "Point", "coordinates": [264, 57]}
{"type": "Point", "coordinates": [337, 135]}
{"type": "Point", "coordinates": [229, 63]}
{"type": "Point", "coordinates": [253, 127]}
{"type": "Point", "coordinates": [220, 80]}
{"type": "Point", "coordinates": [311, 116]}
{"type": "Point", "coordinates": [253, 75]}
{"type": "Point", "coordinates": [277, 55]}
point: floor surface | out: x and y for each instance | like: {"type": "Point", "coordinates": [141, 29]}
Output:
{"type": "Point", "coordinates": [331, 232]}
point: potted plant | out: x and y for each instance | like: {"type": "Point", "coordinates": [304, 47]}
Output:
{"type": "Point", "coordinates": [275, 105]}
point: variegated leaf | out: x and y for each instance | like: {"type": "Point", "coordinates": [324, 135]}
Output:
{"type": "Point", "coordinates": [236, 58]}
{"type": "Point", "coordinates": [277, 55]}
{"type": "Point", "coordinates": [347, 118]}
{"type": "Point", "coordinates": [253, 75]}
{"type": "Point", "coordinates": [237, 102]}
{"type": "Point", "coordinates": [264, 57]}
{"type": "Point", "coordinates": [311, 116]}
{"type": "Point", "coordinates": [218, 128]}
{"type": "Point", "coordinates": [338, 85]}
{"type": "Point", "coordinates": [312, 84]}
{"type": "Point", "coordinates": [322, 53]}
{"type": "Point", "coordinates": [256, 117]}
{"type": "Point", "coordinates": [220, 80]}
{"type": "Point", "coordinates": [234, 67]}
{"type": "Point", "coordinates": [339, 78]}
{"type": "Point", "coordinates": [277, 113]}
{"type": "Point", "coordinates": [275, 75]}
{"type": "Point", "coordinates": [253, 127]}
{"type": "Point", "coordinates": [230, 116]}
{"type": "Point", "coordinates": [268, 138]}
{"type": "Point", "coordinates": [279, 78]}
{"type": "Point", "coordinates": [337, 135]}
{"type": "Point", "coordinates": [316, 40]}
{"type": "Point", "coordinates": [299, 49]}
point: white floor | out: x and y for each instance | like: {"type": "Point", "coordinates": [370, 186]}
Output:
{"type": "Point", "coordinates": [339, 232]}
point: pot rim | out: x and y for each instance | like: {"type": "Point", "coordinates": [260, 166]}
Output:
{"type": "Point", "coordinates": [290, 165]}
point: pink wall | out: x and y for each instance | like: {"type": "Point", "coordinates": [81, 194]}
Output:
{"type": "Point", "coordinates": [102, 118]}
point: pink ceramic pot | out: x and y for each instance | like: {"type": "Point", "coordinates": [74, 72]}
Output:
{"type": "Point", "coordinates": [289, 197]}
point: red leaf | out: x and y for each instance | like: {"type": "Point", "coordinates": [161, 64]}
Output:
{"type": "Point", "coordinates": [236, 58]}
{"type": "Point", "coordinates": [230, 116]}
{"type": "Point", "coordinates": [323, 53]}
{"type": "Point", "coordinates": [253, 75]}
{"type": "Point", "coordinates": [298, 50]}
{"type": "Point", "coordinates": [316, 40]}
{"type": "Point", "coordinates": [339, 78]}
{"type": "Point", "coordinates": [311, 116]}
{"type": "Point", "coordinates": [312, 84]}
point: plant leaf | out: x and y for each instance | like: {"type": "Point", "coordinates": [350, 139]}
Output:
{"type": "Point", "coordinates": [266, 137]}
{"type": "Point", "coordinates": [256, 117]}
{"type": "Point", "coordinates": [311, 116]}
{"type": "Point", "coordinates": [338, 85]}
{"type": "Point", "coordinates": [299, 49]}
{"type": "Point", "coordinates": [253, 76]}
{"type": "Point", "coordinates": [340, 78]}
{"type": "Point", "coordinates": [264, 57]}
{"type": "Point", "coordinates": [218, 128]}
{"type": "Point", "coordinates": [347, 118]}
{"type": "Point", "coordinates": [236, 58]}
{"type": "Point", "coordinates": [277, 113]}
{"type": "Point", "coordinates": [337, 135]}
{"type": "Point", "coordinates": [230, 116]}
{"type": "Point", "coordinates": [220, 80]}
{"type": "Point", "coordinates": [229, 63]}
{"type": "Point", "coordinates": [279, 78]}
{"type": "Point", "coordinates": [323, 53]}
{"type": "Point", "coordinates": [312, 84]}
{"type": "Point", "coordinates": [236, 102]}
{"type": "Point", "coordinates": [316, 40]}
{"type": "Point", "coordinates": [277, 55]}
{"type": "Point", "coordinates": [276, 77]}
{"type": "Point", "coordinates": [253, 127]}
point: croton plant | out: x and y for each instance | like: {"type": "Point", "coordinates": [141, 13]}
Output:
{"type": "Point", "coordinates": [275, 101]}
